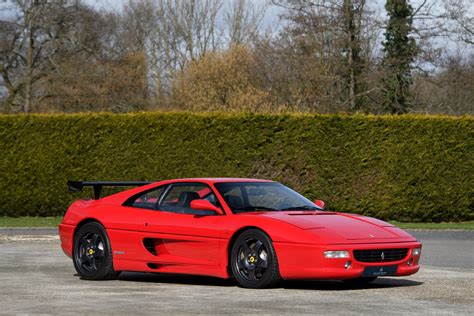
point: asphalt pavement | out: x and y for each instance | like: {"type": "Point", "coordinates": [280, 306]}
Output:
{"type": "Point", "coordinates": [446, 248]}
{"type": "Point", "coordinates": [37, 278]}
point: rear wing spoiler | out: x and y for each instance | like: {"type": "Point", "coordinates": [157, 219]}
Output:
{"type": "Point", "coordinates": [75, 186]}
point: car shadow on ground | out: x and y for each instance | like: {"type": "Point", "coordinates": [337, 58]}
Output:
{"type": "Point", "coordinates": [380, 283]}
{"type": "Point", "coordinates": [297, 285]}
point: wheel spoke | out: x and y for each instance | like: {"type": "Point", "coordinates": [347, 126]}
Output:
{"type": "Point", "coordinates": [262, 263]}
{"type": "Point", "coordinates": [92, 262]}
{"type": "Point", "coordinates": [94, 240]}
{"type": "Point", "coordinates": [84, 241]}
{"type": "Point", "coordinates": [258, 246]}
{"type": "Point", "coordinates": [83, 259]}
{"type": "Point", "coordinates": [245, 247]}
{"type": "Point", "coordinates": [252, 275]}
{"type": "Point", "coordinates": [99, 252]}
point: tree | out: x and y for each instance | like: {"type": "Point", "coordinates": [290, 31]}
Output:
{"type": "Point", "coordinates": [400, 51]}
{"type": "Point", "coordinates": [65, 56]}
{"type": "Point", "coordinates": [29, 45]}
{"type": "Point", "coordinates": [186, 31]}
{"type": "Point", "coordinates": [102, 69]}
{"type": "Point", "coordinates": [174, 33]}
{"type": "Point", "coordinates": [338, 33]}
{"type": "Point", "coordinates": [220, 81]}
{"type": "Point", "coordinates": [88, 84]}
{"type": "Point", "coordinates": [242, 21]}
{"type": "Point", "coordinates": [352, 17]}
{"type": "Point", "coordinates": [461, 13]}
{"type": "Point", "coordinates": [296, 78]}
{"type": "Point", "coordinates": [450, 90]}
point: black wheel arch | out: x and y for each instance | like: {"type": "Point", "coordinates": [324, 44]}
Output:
{"type": "Point", "coordinates": [86, 221]}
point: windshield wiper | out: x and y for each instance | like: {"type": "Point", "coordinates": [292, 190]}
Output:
{"type": "Point", "coordinates": [257, 208]}
{"type": "Point", "coordinates": [302, 207]}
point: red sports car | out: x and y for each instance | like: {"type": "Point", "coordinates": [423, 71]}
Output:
{"type": "Point", "coordinates": [256, 231]}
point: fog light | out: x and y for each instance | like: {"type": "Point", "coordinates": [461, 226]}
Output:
{"type": "Point", "coordinates": [347, 265]}
{"type": "Point", "coordinates": [336, 254]}
{"type": "Point", "coordinates": [416, 252]}
{"type": "Point", "coordinates": [410, 261]}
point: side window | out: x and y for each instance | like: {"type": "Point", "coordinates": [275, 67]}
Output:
{"type": "Point", "coordinates": [211, 198]}
{"type": "Point", "coordinates": [178, 198]}
{"type": "Point", "coordinates": [149, 199]}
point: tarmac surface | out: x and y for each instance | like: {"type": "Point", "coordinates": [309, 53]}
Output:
{"type": "Point", "coordinates": [37, 278]}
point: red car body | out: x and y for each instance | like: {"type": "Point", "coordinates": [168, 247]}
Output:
{"type": "Point", "coordinates": [200, 245]}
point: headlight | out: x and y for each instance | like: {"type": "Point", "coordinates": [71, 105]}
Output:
{"type": "Point", "coordinates": [416, 252]}
{"type": "Point", "coordinates": [336, 254]}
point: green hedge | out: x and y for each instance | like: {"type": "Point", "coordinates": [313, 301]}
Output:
{"type": "Point", "coordinates": [405, 168]}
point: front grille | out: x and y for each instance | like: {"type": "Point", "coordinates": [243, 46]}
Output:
{"type": "Point", "coordinates": [380, 255]}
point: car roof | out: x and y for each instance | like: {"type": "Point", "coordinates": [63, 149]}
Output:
{"type": "Point", "coordinates": [216, 180]}
{"type": "Point", "coordinates": [121, 197]}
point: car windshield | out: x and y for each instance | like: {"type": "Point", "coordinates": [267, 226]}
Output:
{"type": "Point", "coordinates": [262, 196]}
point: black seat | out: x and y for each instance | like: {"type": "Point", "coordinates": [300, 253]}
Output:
{"type": "Point", "coordinates": [186, 197]}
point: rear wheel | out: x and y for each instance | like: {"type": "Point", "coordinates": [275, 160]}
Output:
{"type": "Point", "coordinates": [253, 259]}
{"type": "Point", "coordinates": [92, 255]}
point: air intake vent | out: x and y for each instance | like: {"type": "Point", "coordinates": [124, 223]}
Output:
{"type": "Point", "coordinates": [152, 265]}
{"type": "Point", "coordinates": [150, 246]}
{"type": "Point", "coordinates": [380, 255]}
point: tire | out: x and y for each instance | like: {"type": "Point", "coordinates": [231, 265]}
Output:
{"type": "Point", "coordinates": [360, 280]}
{"type": "Point", "coordinates": [92, 254]}
{"type": "Point", "coordinates": [253, 260]}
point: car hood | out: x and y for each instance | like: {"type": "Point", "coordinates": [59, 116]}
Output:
{"type": "Point", "coordinates": [342, 227]}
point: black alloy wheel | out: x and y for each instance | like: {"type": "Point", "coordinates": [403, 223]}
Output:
{"type": "Point", "coordinates": [92, 254]}
{"type": "Point", "coordinates": [253, 260]}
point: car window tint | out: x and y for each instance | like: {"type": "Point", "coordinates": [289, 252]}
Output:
{"type": "Point", "coordinates": [149, 199]}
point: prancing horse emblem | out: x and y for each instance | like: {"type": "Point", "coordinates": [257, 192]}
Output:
{"type": "Point", "coordinates": [382, 256]}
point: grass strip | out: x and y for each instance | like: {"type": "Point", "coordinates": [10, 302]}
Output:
{"type": "Point", "coordinates": [30, 221]}
{"type": "Point", "coordinates": [451, 225]}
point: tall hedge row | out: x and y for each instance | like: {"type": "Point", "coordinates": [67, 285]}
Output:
{"type": "Point", "coordinates": [407, 168]}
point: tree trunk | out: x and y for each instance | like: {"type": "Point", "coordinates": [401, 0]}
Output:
{"type": "Point", "coordinates": [29, 70]}
{"type": "Point", "coordinates": [351, 37]}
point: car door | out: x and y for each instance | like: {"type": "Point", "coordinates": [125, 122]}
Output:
{"type": "Point", "coordinates": [127, 225]}
{"type": "Point", "coordinates": [182, 238]}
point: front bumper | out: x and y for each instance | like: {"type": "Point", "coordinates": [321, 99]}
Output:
{"type": "Point", "coordinates": [307, 261]}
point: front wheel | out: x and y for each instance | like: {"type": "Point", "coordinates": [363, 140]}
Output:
{"type": "Point", "coordinates": [92, 255]}
{"type": "Point", "coordinates": [253, 260]}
